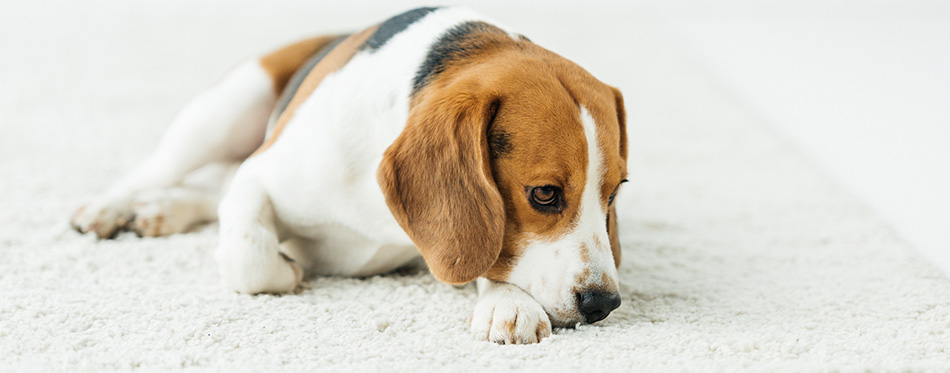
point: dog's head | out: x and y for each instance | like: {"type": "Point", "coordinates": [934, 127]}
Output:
{"type": "Point", "coordinates": [507, 169]}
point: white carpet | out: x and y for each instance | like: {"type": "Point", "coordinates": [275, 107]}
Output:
{"type": "Point", "coordinates": [738, 255]}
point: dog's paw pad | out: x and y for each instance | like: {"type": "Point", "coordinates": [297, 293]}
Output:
{"type": "Point", "coordinates": [150, 226]}
{"type": "Point", "coordinates": [514, 320]}
{"type": "Point", "coordinates": [155, 218]}
{"type": "Point", "coordinates": [105, 220]}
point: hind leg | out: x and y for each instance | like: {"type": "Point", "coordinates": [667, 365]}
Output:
{"type": "Point", "coordinates": [176, 209]}
{"type": "Point", "coordinates": [166, 211]}
{"type": "Point", "coordinates": [226, 123]}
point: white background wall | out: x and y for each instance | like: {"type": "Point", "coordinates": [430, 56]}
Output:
{"type": "Point", "coordinates": [862, 87]}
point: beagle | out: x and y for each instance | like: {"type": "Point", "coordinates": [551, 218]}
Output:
{"type": "Point", "coordinates": [434, 133]}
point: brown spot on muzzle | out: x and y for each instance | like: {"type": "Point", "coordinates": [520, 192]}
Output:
{"type": "Point", "coordinates": [580, 279]}
{"type": "Point", "coordinates": [597, 243]}
{"type": "Point", "coordinates": [585, 253]}
{"type": "Point", "coordinates": [608, 284]}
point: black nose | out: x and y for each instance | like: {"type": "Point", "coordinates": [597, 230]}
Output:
{"type": "Point", "coordinates": [595, 306]}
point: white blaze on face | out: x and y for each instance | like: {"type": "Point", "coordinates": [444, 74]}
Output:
{"type": "Point", "coordinates": [552, 269]}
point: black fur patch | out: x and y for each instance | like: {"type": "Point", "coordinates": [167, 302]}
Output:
{"type": "Point", "coordinates": [297, 79]}
{"type": "Point", "coordinates": [499, 144]}
{"type": "Point", "coordinates": [393, 26]}
{"type": "Point", "coordinates": [499, 141]}
{"type": "Point", "coordinates": [454, 44]}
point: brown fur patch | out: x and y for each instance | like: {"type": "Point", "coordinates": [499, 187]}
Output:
{"type": "Point", "coordinates": [283, 63]}
{"type": "Point", "coordinates": [617, 140]}
{"type": "Point", "coordinates": [582, 277]}
{"type": "Point", "coordinates": [459, 192]}
{"type": "Point", "coordinates": [333, 61]}
{"type": "Point", "coordinates": [612, 233]}
{"type": "Point", "coordinates": [585, 253]}
{"type": "Point", "coordinates": [437, 181]}
{"type": "Point", "coordinates": [597, 244]}
{"type": "Point", "coordinates": [542, 330]}
{"type": "Point", "coordinates": [510, 326]}
{"type": "Point", "coordinates": [608, 284]}
{"type": "Point", "coordinates": [544, 142]}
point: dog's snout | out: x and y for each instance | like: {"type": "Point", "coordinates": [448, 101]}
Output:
{"type": "Point", "coordinates": [595, 305]}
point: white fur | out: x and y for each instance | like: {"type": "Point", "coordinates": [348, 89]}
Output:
{"type": "Point", "coordinates": [506, 314]}
{"type": "Point", "coordinates": [164, 211]}
{"type": "Point", "coordinates": [223, 124]}
{"type": "Point", "coordinates": [320, 174]}
{"type": "Point", "coordinates": [549, 265]}
{"type": "Point", "coordinates": [248, 254]}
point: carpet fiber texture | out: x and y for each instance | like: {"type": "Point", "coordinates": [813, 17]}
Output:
{"type": "Point", "coordinates": [737, 253]}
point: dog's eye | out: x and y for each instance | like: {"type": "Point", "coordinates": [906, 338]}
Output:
{"type": "Point", "coordinates": [545, 198]}
{"type": "Point", "coordinates": [544, 195]}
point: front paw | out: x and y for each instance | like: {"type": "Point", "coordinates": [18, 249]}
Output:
{"type": "Point", "coordinates": [103, 218]}
{"type": "Point", "coordinates": [510, 317]}
{"type": "Point", "coordinates": [251, 263]}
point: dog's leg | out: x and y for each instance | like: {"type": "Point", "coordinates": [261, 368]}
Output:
{"type": "Point", "coordinates": [506, 314]}
{"type": "Point", "coordinates": [166, 211]}
{"type": "Point", "coordinates": [226, 123]}
{"type": "Point", "coordinates": [248, 253]}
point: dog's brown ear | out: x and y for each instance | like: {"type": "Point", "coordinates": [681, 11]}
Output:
{"type": "Point", "coordinates": [612, 233]}
{"type": "Point", "coordinates": [612, 213]}
{"type": "Point", "coordinates": [622, 119]}
{"type": "Point", "coordinates": [438, 184]}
